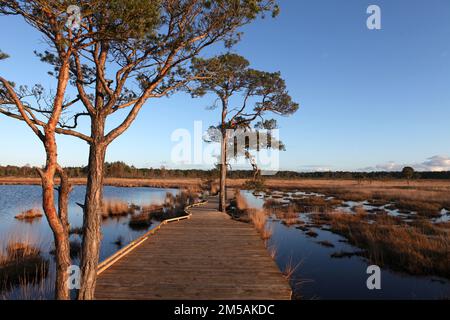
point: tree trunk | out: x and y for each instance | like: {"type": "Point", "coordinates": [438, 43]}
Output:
{"type": "Point", "coordinates": [61, 239]}
{"type": "Point", "coordinates": [223, 159]}
{"type": "Point", "coordinates": [92, 213]}
{"type": "Point", "coordinates": [223, 175]}
{"type": "Point", "coordinates": [62, 243]}
{"type": "Point", "coordinates": [63, 197]}
{"type": "Point", "coordinates": [62, 254]}
{"type": "Point", "coordinates": [60, 229]}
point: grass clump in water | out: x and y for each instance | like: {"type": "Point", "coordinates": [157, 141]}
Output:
{"type": "Point", "coordinates": [21, 260]}
{"type": "Point", "coordinates": [140, 222]}
{"type": "Point", "coordinates": [116, 208]}
{"type": "Point", "coordinates": [30, 215]}
{"type": "Point", "coordinates": [420, 248]}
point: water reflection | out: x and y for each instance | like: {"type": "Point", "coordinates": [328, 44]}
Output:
{"type": "Point", "coordinates": [116, 232]}
{"type": "Point", "coordinates": [316, 275]}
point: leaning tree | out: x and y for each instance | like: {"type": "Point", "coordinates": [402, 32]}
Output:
{"type": "Point", "coordinates": [125, 53]}
{"type": "Point", "coordinates": [245, 95]}
{"type": "Point", "coordinates": [246, 141]}
{"type": "Point", "coordinates": [21, 103]}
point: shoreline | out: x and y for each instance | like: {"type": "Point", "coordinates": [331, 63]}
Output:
{"type": "Point", "coordinates": [233, 183]}
{"type": "Point", "coordinates": [112, 182]}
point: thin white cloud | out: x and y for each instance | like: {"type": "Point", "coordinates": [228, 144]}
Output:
{"type": "Point", "coordinates": [435, 163]}
{"type": "Point", "coordinates": [315, 168]}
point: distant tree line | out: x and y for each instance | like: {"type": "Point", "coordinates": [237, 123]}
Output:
{"type": "Point", "coordinates": [122, 170]}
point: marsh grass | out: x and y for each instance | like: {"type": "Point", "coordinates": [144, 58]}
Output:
{"type": "Point", "coordinates": [421, 207]}
{"type": "Point", "coordinates": [273, 204]}
{"type": "Point", "coordinates": [30, 287]}
{"type": "Point", "coordinates": [30, 215]}
{"type": "Point", "coordinates": [359, 210]}
{"type": "Point", "coordinates": [241, 202]}
{"type": "Point", "coordinates": [20, 262]}
{"type": "Point", "coordinates": [346, 254]}
{"type": "Point", "coordinates": [420, 248]}
{"type": "Point", "coordinates": [116, 208]}
{"type": "Point", "coordinates": [141, 221]}
{"type": "Point", "coordinates": [288, 215]}
{"type": "Point", "coordinates": [290, 269]}
{"type": "Point", "coordinates": [174, 206]}
{"type": "Point", "coordinates": [273, 252]}
{"type": "Point", "coordinates": [444, 225]}
{"type": "Point", "coordinates": [258, 218]}
{"type": "Point", "coordinates": [266, 234]}
{"type": "Point", "coordinates": [326, 243]}
{"type": "Point", "coordinates": [426, 198]}
{"type": "Point", "coordinates": [210, 186]}
{"type": "Point", "coordinates": [312, 234]}
{"type": "Point", "coordinates": [152, 208]}
{"type": "Point", "coordinates": [315, 204]}
{"type": "Point", "coordinates": [238, 208]}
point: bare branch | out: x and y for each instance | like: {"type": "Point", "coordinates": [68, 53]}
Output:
{"type": "Point", "coordinates": [43, 124]}
{"type": "Point", "coordinates": [13, 96]}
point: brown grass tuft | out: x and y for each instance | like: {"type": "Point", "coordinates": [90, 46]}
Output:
{"type": "Point", "coordinates": [21, 261]}
{"type": "Point", "coordinates": [30, 215]}
{"type": "Point", "coordinates": [258, 218]}
{"type": "Point", "coordinates": [423, 208]}
{"type": "Point", "coordinates": [290, 269]}
{"type": "Point", "coordinates": [426, 197]}
{"type": "Point", "coordinates": [116, 208]}
{"type": "Point", "coordinates": [211, 186]}
{"type": "Point", "coordinates": [420, 248]}
{"type": "Point", "coordinates": [152, 208]}
{"type": "Point", "coordinates": [241, 202]}
{"type": "Point", "coordinates": [140, 222]}
{"type": "Point", "coordinates": [288, 215]}
{"type": "Point", "coordinates": [315, 204]}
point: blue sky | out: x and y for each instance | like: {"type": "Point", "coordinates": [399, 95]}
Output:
{"type": "Point", "coordinates": [373, 99]}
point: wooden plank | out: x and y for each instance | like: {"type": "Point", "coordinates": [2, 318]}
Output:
{"type": "Point", "coordinates": [209, 256]}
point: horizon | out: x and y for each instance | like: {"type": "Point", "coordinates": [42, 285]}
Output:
{"type": "Point", "coordinates": [211, 150]}
{"type": "Point", "coordinates": [361, 92]}
{"type": "Point", "coordinates": [235, 170]}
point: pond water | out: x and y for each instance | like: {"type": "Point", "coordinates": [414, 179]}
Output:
{"type": "Point", "coordinates": [319, 276]}
{"type": "Point", "coordinates": [116, 232]}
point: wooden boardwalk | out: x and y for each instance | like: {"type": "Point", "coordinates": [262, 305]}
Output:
{"type": "Point", "coordinates": [208, 257]}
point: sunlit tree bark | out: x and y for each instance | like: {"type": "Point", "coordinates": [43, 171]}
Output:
{"type": "Point", "coordinates": [125, 53]}
{"type": "Point", "coordinates": [12, 103]}
{"type": "Point", "coordinates": [229, 77]}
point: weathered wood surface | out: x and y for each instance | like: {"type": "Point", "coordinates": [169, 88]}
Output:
{"type": "Point", "coordinates": [209, 257]}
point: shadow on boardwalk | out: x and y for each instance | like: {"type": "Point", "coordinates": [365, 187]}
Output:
{"type": "Point", "coordinates": [208, 257]}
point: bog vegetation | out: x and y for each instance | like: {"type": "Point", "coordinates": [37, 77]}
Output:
{"type": "Point", "coordinates": [420, 248]}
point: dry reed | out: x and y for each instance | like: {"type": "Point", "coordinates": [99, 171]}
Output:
{"type": "Point", "coordinates": [116, 208]}
{"type": "Point", "coordinates": [21, 260]}
{"type": "Point", "coordinates": [30, 215]}
{"type": "Point", "coordinates": [421, 248]}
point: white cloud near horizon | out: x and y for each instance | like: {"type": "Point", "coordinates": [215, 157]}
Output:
{"type": "Point", "coordinates": [315, 168]}
{"type": "Point", "coordinates": [435, 163]}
